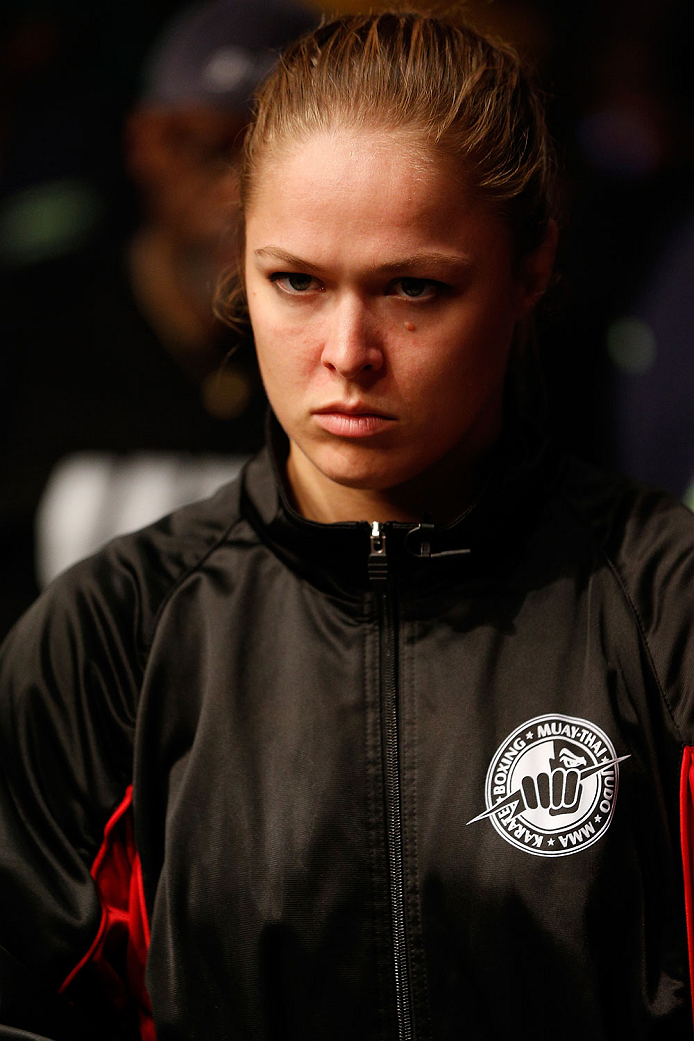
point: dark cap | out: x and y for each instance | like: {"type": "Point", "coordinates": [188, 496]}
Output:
{"type": "Point", "coordinates": [217, 53]}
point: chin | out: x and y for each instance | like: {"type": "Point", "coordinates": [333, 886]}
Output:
{"type": "Point", "coordinates": [369, 474]}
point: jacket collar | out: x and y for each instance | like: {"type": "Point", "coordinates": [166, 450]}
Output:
{"type": "Point", "coordinates": [335, 556]}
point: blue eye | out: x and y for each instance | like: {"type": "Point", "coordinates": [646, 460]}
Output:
{"type": "Point", "coordinates": [413, 286]}
{"type": "Point", "coordinates": [299, 283]}
{"type": "Point", "coordinates": [294, 282]}
{"type": "Point", "coordinates": [416, 288]}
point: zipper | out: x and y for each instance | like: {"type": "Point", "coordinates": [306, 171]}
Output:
{"type": "Point", "coordinates": [379, 578]}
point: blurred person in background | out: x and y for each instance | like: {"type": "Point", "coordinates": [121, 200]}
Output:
{"type": "Point", "coordinates": [113, 348]}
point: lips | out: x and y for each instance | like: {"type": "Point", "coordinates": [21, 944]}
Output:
{"type": "Point", "coordinates": [354, 420]}
{"type": "Point", "coordinates": [356, 409]}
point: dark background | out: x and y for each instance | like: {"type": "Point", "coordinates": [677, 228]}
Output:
{"type": "Point", "coordinates": [618, 77]}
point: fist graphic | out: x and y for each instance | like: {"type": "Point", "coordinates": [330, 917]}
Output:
{"type": "Point", "coordinates": [558, 791]}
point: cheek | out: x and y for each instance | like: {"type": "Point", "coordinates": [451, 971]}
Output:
{"type": "Point", "coordinates": [468, 357]}
{"type": "Point", "coordinates": [285, 354]}
{"type": "Point", "coordinates": [448, 376]}
{"type": "Point", "coordinates": [275, 328]}
{"type": "Point", "coordinates": [484, 342]}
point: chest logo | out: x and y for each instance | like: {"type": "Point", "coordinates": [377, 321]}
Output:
{"type": "Point", "coordinates": [551, 786]}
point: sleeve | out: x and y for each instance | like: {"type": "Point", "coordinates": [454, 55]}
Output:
{"type": "Point", "coordinates": [69, 681]}
{"type": "Point", "coordinates": [657, 565]}
{"type": "Point", "coordinates": [657, 568]}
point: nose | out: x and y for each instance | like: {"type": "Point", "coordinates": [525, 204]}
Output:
{"type": "Point", "coordinates": [352, 345]}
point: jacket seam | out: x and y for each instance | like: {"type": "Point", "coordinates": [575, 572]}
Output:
{"type": "Point", "coordinates": [183, 577]}
{"type": "Point", "coordinates": [619, 579]}
{"type": "Point", "coordinates": [642, 633]}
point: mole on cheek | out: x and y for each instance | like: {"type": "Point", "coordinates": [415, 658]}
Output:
{"type": "Point", "coordinates": [410, 326]}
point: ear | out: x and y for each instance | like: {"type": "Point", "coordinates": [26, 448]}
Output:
{"type": "Point", "coordinates": [536, 270]}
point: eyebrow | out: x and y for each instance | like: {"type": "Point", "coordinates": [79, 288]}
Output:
{"type": "Point", "coordinates": [286, 258]}
{"type": "Point", "coordinates": [414, 260]}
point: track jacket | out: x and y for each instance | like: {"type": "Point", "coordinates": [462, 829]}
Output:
{"type": "Point", "coordinates": [267, 779]}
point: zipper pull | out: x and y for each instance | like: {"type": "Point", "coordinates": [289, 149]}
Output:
{"type": "Point", "coordinates": [378, 561]}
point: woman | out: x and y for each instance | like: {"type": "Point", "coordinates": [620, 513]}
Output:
{"type": "Point", "coordinates": [385, 740]}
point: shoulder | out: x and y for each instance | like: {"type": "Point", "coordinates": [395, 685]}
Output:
{"type": "Point", "coordinates": [114, 597]}
{"type": "Point", "coordinates": [632, 523]}
{"type": "Point", "coordinates": [644, 541]}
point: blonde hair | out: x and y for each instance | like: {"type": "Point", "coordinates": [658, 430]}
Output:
{"type": "Point", "coordinates": [462, 96]}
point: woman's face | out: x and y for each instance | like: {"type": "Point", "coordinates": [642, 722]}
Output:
{"type": "Point", "coordinates": [383, 299]}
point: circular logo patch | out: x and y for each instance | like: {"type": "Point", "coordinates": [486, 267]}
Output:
{"type": "Point", "coordinates": [551, 787]}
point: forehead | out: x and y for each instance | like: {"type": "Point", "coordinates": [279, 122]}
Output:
{"type": "Point", "coordinates": [365, 189]}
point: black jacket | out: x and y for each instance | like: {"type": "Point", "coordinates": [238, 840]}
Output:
{"type": "Point", "coordinates": [276, 745]}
